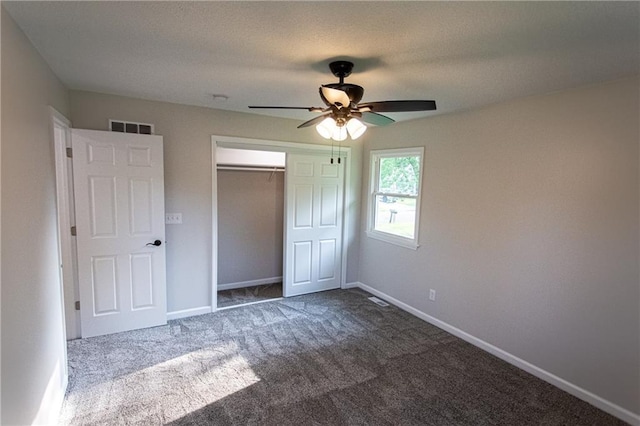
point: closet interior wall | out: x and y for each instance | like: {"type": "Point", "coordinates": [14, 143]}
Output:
{"type": "Point", "coordinates": [250, 225]}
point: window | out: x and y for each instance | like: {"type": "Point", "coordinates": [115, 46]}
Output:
{"type": "Point", "coordinates": [394, 197]}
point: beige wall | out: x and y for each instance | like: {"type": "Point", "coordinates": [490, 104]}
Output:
{"type": "Point", "coordinates": [250, 218]}
{"type": "Point", "coordinates": [187, 134]}
{"type": "Point", "coordinates": [529, 232]}
{"type": "Point", "coordinates": [32, 319]}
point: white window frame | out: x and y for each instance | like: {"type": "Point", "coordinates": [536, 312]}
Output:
{"type": "Point", "coordinates": [374, 179]}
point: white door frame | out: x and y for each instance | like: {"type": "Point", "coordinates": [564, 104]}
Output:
{"type": "Point", "coordinates": [66, 243]}
{"type": "Point", "coordinates": [280, 146]}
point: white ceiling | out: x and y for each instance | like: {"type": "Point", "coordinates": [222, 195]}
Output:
{"type": "Point", "coordinates": [462, 54]}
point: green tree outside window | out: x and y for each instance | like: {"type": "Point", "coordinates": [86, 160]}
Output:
{"type": "Point", "coordinates": [399, 175]}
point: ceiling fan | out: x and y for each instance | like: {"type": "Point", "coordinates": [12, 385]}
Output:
{"type": "Point", "coordinates": [343, 110]}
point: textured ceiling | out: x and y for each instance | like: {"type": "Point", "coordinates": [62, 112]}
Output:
{"type": "Point", "coordinates": [462, 54]}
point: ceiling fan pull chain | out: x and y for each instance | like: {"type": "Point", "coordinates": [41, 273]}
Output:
{"type": "Point", "coordinates": [331, 151]}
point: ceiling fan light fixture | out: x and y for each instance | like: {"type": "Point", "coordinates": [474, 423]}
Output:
{"type": "Point", "coordinates": [339, 133]}
{"type": "Point", "coordinates": [326, 127]}
{"type": "Point", "coordinates": [356, 128]}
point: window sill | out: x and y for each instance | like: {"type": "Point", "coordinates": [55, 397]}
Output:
{"type": "Point", "coordinates": [398, 241]}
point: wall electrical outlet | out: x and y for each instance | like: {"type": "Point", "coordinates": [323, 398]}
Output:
{"type": "Point", "coordinates": [173, 218]}
{"type": "Point", "coordinates": [432, 294]}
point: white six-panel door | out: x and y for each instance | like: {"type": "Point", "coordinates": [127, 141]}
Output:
{"type": "Point", "coordinates": [313, 241]}
{"type": "Point", "coordinates": [119, 198]}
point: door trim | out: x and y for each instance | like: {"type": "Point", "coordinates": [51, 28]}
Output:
{"type": "Point", "coordinates": [64, 220]}
{"type": "Point", "coordinates": [280, 146]}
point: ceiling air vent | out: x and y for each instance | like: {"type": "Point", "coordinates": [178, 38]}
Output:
{"type": "Point", "coordinates": [130, 127]}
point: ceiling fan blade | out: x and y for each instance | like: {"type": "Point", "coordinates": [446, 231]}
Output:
{"type": "Point", "coordinates": [398, 106]}
{"type": "Point", "coordinates": [313, 121]}
{"type": "Point", "coordinates": [335, 97]}
{"type": "Point", "coordinates": [312, 109]}
{"type": "Point", "coordinates": [376, 119]}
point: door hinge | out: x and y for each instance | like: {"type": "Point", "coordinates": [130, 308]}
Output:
{"type": "Point", "coordinates": [73, 231]}
{"type": "Point", "coordinates": [78, 305]}
{"type": "Point", "coordinates": [69, 153]}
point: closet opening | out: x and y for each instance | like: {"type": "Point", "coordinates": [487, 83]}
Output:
{"type": "Point", "coordinates": [250, 201]}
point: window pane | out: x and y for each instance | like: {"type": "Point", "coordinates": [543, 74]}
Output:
{"type": "Point", "coordinates": [399, 175]}
{"type": "Point", "coordinates": [395, 216]}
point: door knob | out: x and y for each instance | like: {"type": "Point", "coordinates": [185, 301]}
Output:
{"type": "Point", "coordinates": [156, 243]}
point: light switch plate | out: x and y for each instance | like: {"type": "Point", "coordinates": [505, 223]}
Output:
{"type": "Point", "coordinates": [173, 218]}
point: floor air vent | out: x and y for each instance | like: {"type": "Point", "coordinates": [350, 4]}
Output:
{"type": "Point", "coordinates": [377, 301]}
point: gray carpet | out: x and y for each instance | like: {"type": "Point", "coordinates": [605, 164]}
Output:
{"type": "Point", "coordinates": [240, 296]}
{"type": "Point", "coordinates": [332, 358]}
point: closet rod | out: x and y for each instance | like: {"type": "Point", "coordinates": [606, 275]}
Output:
{"type": "Point", "coordinates": [252, 169]}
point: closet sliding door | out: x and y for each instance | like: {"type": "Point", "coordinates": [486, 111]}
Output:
{"type": "Point", "coordinates": [313, 242]}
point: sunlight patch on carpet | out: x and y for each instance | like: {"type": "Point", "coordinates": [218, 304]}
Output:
{"type": "Point", "coordinates": [184, 384]}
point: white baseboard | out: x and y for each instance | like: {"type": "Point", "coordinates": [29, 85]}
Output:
{"type": "Point", "coordinates": [585, 395]}
{"type": "Point", "coordinates": [351, 285]}
{"type": "Point", "coordinates": [243, 284]}
{"type": "Point", "coordinates": [188, 312]}
{"type": "Point", "coordinates": [51, 403]}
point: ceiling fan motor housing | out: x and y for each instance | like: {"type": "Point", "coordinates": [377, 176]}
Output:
{"type": "Point", "coordinates": [342, 69]}
{"type": "Point", "coordinates": [354, 91]}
